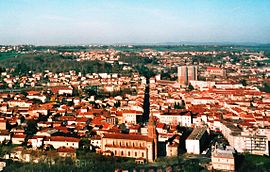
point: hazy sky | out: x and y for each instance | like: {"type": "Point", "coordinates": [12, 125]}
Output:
{"type": "Point", "coordinates": [137, 21]}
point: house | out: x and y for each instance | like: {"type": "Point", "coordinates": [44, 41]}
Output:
{"type": "Point", "coordinates": [131, 116]}
{"type": "Point", "coordinates": [134, 129]}
{"type": "Point", "coordinates": [4, 136]}
{"type": "Point", "coordinates": [18, 139]}
{"type": "Point", "coordinates": [182, 118]}
{"type": "Point", "coordinates": [47, 132]}
{"type": "Point", "coordinates": [172, 148]}
{"type": "Point", "coordinates": [214, 71]}
{"type": "Point", "coordinates": [161, 128]}
{"type": "Point", "coordinates": [20, 154]}
{"type": "Point", "coordinates": [36, 141]}
{"type": "Point", "coordinates": [61, 90]}
{"type": "Point", "coordinates": [62, 141]}
{"type": "Point", "coordinates": [2, 165]}
{"type": "Point", "coordinates": [95, 142]}
{"type": "Point", "coordinates": [19, 103]}
{"type": "Point", "coordinates": [223, 158]}
{"type": "Point", "coordinates": [3, 124]}
{"type": "Point", "coordinates": [36, 95]}
{"type": "Point", "coordinates": [67, 152]}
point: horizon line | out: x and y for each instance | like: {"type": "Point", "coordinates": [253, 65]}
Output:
{"type": "Point", "coordinates": [180, 43]}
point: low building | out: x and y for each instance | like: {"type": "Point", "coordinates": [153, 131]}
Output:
{"type": "Point", "coordinates": [3, 124]}
{"type": "Point", "coordinates": [214, 71]}
{"type": "Point", "coordinates": [178, 118]}
{"type": "Point", "coordinates": [95, 142]}
{"type": "Point", "coordinates": [172, 148]}
{"type": "Point", "coordinates": [61, 141]}
{"type": "Point", "coordinates": [4, 136]}
{"type": "Point", "coordinates": [223, 158]}
{"type": "Point", "coordinates": [2, 165]}
{"type": "Point", "coordinates": [36, 141]}
{"type": "Point", "coordinates": [196, 140]}
{"type": "Point", "coordinates": [131, 116]}
{"type": "Point", "coordinates": [18, 139]}
{"type": "Point", "coordinates": [67, 152]}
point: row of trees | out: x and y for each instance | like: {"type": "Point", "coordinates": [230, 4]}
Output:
{"type": "Point", "coordinates": [86, 161]}
{"type": "Point", "coordinates": [57, 63]}
{"type": "Point", "coordinates": [134, 58]}
{"type": "Point", "coordinates": [95, 162]}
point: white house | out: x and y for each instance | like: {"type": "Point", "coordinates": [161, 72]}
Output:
{"type": "Point", "coordinates": [61, 141]}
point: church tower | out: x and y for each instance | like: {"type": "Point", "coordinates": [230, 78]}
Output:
{"type": "Point", "coordinates": [152, 133]}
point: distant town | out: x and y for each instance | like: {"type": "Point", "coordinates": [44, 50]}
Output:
{"type": "Point", "coordinates": [135, 108]}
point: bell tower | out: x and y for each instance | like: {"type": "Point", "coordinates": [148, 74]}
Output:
{"type": "Point", "coordinates": [152, 133]}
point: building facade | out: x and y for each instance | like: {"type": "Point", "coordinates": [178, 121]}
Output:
{"type": "Point", "coordinates": [132, 145]}
{"type": "Point", "coordinates": [245, 141]}
{"type": "Point", "coordinates": [186, 74]}
{"type": "Point", "coordinates": [196, 140]}
{"type": "Point", "coordinates": [214, 71]}
{"type": "Point", "coordinates": [223, 159]}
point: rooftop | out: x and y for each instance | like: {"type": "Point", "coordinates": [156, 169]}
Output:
{"type": "Point", "coordinates": [197, 133]}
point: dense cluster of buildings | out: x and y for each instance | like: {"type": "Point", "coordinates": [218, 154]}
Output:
{"type": "Point", "coordinates": [58, 111]}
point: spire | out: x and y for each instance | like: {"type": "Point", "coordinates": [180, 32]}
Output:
{"type": "Point", "coordinates": [152, 133]}
{"type": "Point", "coordinates": [151, 119]}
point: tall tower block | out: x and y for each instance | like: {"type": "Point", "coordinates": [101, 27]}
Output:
{"type": "Point", "coordinates": [186, 74]}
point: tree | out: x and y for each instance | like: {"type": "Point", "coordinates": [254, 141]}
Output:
{"type": "Point", "coordinates": [21, 68]}
{"type": "Point", "coordinates": [36, 101]}
{"type": "Point", "coordinates": [117, 104]}
{"type": "Point", "coordinates": [31, 127]}
{"type": "Point", "coordinates": [24, 93]}
{"type": "Point", "coordinates": [177, 105]}
{"type": "Point", "coordinates": [145, 71]}
{"type": "Point", "coordinates": [243, 82]}
{"type": "Point", "coordinates": [2, 69]}
{"type": "Point", "coordinates": [265, 87]}
{"type": "Point", "coordinates": [123, 128]}
{"type": "Point", "coordinates": [190, 87]}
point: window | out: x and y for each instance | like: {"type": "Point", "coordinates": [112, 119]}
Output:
{"type": "Point", "coordinates": [122, 153]}
{"type": "Point", "coordinates": [115, 152]}
{"type": "Point", "coordinates": [135, 154]}
{"type": "Point", "coordinates": [128, 153]}
{"type": "Point", "coordinates": [142, 154]}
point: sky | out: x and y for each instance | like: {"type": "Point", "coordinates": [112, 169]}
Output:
{"type": "Point", "coordinates": [58, 22]}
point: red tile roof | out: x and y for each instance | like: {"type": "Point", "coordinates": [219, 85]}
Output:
{"type": "Point", "coordinates": [127, 137]}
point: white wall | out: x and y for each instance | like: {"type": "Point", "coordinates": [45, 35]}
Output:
{"type": "Point", "coordinates": [193, 146]}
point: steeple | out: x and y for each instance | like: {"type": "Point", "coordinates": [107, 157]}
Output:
{"type": "Point", "coordinates": [152, 133]}
{"type": "Point", "coordinates": [151, 119]}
